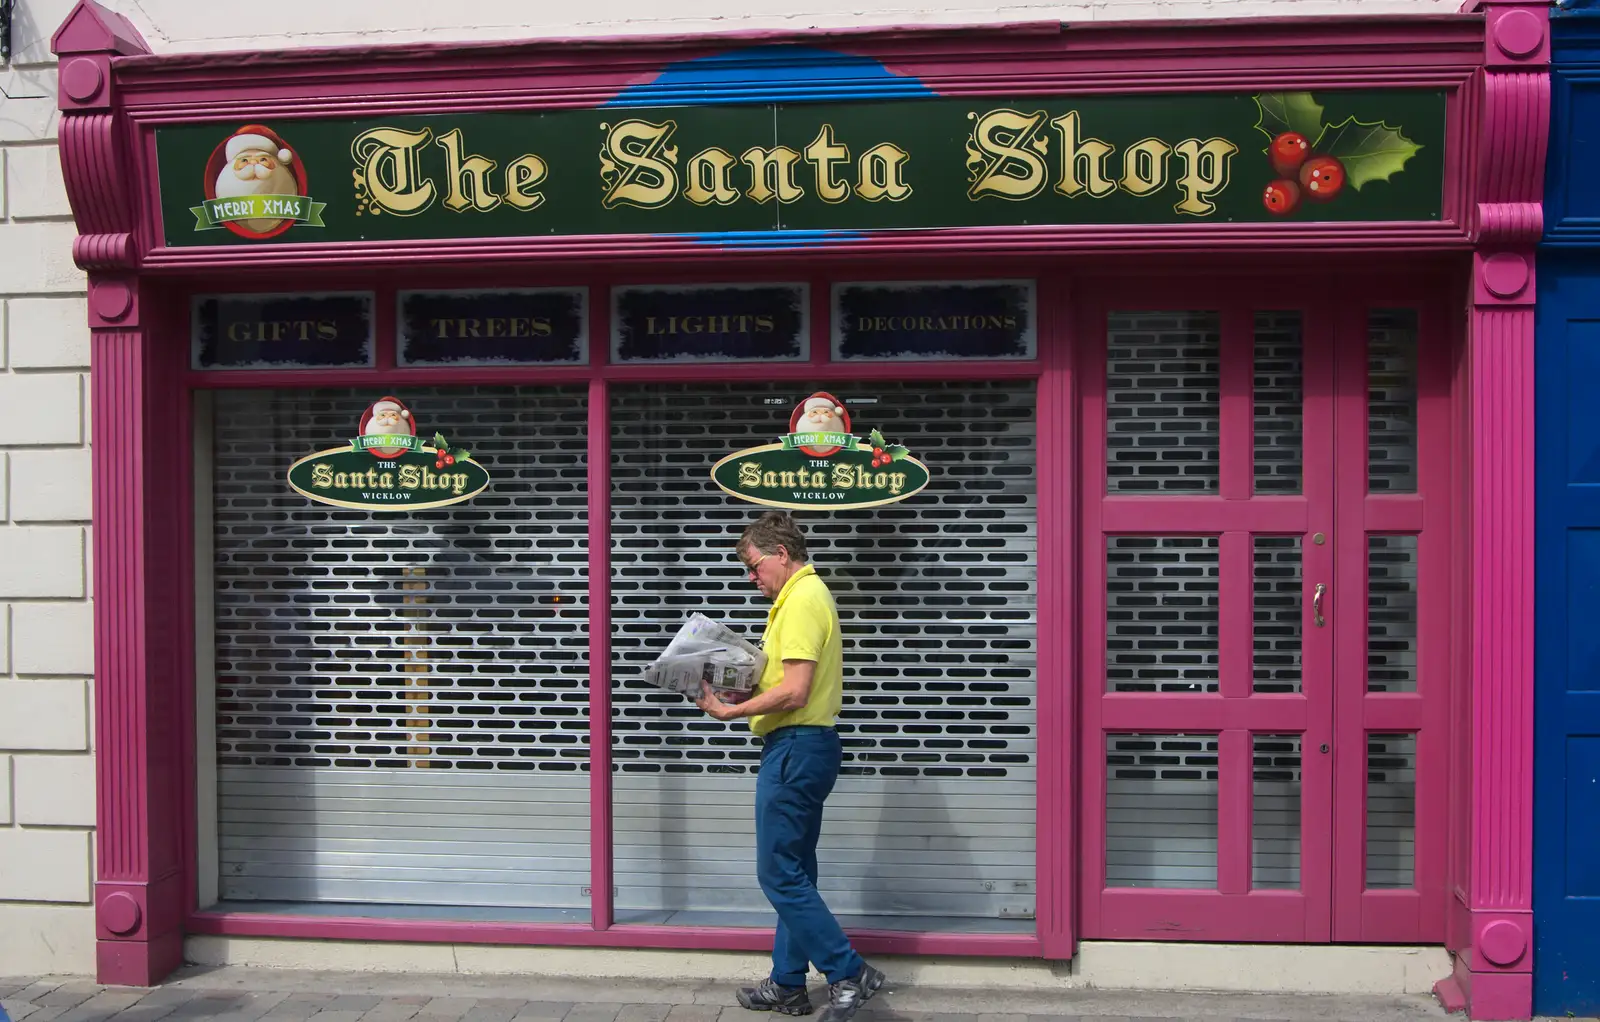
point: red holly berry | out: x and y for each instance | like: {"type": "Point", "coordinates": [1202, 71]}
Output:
{"type": "Point", "coordinates": [1287, 152]}
{"type": "Point", "coordinates": [438, 463]}
{"type": "Point", "coordinates": [1281, 197]}
{"type": "Point", "coordinates": [449, 459]}
{"type": "Point", "coordinates": [1322, 178]}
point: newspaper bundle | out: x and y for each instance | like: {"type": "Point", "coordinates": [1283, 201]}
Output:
{"type": "Point", "coordinates": [705, 651]}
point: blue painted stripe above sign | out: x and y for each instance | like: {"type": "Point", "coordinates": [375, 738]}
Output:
{"type": "Point", "coordinates": [711, 323]}
{"type": "Point", "coordinates": [935, 320]}
{"type": "Point", "coordinates": [530, 326]}
{"type": "Point", "coordinates": [278, 331]}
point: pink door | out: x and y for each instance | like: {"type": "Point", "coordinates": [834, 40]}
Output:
{"type": "Point", "coordinates": [1263, 670]}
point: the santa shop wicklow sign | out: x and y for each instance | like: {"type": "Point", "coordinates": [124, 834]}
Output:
{"type": "Point", "coordinates": [820, 463]}
{"type": "Point", "coordinates": [389, 467]}
{"type": "Point", "coordinates": [911, 163]}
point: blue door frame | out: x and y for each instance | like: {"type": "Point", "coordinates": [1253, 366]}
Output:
{"type": "Point", "coordinates": [1566, 891]}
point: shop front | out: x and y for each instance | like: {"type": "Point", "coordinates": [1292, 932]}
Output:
{"type": "Point", "coordinates": [1156, 403]}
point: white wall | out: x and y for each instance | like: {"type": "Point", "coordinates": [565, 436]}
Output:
{"type": "Point", "coordinates": [190, 25]}
{"type": "Point", "coordinates": [46, 641]}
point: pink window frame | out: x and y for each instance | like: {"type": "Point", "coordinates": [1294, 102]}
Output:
{"type": "Point", "coordinates": [1332, 903]}
{"type": "Point", "coordinates": [1053, 854]}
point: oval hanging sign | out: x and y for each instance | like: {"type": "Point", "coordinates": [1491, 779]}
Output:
{"type": "Point", "coordinates": [389, 467]}
{"type": "Point", "coordinates": [819, 464]}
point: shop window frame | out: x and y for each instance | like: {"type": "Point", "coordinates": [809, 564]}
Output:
{"type": "Point", "coordinates": [1052, 369]}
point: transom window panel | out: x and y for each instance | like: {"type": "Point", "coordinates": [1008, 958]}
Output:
{"type": "Point", "coordinates": [1163, 402]}
{"type": "Point", "coordinates": [1392, 401]}
{"type": "Point", "coordinates": [1162, 613]}
{"type": "Point", "coordinates": [1279, 402]}
{"type": "Point", "coordinates": [932, 825]}
{"type": "Point", "coordinates": [1275, 812]}
{"type": "Point", "coordinates": [1392, 613]}
{"type": "Point", "coordinates": [1391, 810]}
{"type": "Point", "coordinates": [1161, 810]}
{"type": "Point", "coordinates": [402, 698]}
{"type": "Point", "coordinates": [1278, 615]}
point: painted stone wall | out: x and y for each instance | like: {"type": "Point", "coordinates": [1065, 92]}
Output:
{"type": "Point", "coordinates": [46, 640]}
{"type": "Point", "coordinates": [189, 25]}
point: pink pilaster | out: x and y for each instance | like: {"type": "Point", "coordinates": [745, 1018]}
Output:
{"type": "Point", "coordinates": [139, 890]}
{"type": "Point", "coordinates": [1494, 938]}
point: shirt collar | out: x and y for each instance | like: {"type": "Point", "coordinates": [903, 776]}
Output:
{"type": "Point", "coordinates": [783, 594]}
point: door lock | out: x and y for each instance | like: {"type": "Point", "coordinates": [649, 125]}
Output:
{"type": "Point", "coordinates": [1316, 603]}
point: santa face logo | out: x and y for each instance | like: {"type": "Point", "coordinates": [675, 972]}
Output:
{"type": "Point", "coordinates": [408, 473]}
{"type": "Point", "coordinates": [819, 464]}
{"type": "Point", "coordinates": [387, 421]}
{"type": "Point", "coordinates": [256, 187]}
{"type": "Point", "coordinates": [824, 416]}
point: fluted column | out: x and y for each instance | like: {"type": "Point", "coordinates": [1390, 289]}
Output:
{"type": "Point", "coordinates": [1494, 968]}
{"type": "Point", "coordinates": [139, 703]}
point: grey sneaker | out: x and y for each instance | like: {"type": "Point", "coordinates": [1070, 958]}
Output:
{"type": "Point", "coordinates": [769, 996]}
{"type": "Point", "coordinates": [847, 996]}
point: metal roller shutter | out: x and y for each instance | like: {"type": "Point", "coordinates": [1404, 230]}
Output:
{"type": "Point", "coordinates": [932, 824]}
{"type": "Point", "coordinates": [402, 699]}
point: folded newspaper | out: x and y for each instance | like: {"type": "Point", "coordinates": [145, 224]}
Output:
{"type": "Point", "coordinates": [705, 651]}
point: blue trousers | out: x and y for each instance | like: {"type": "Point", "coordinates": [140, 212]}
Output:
{"type": "Point", "coordinates": [799, 766]}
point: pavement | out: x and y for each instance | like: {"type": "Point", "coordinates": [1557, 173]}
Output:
{"type": "Point", "coordinates": [243, 994]}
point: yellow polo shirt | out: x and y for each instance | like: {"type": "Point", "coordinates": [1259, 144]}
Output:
{"type": "Point", "coordinates": [803, 624]}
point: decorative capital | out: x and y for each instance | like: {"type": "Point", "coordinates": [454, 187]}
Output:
{"type": "Point", "coordinates": [91, 152]}
{"type": "Point", "coordinates": [104, 251]}
{"type": "Point", "coordinates": [1516, 33]}
{"type": "Point", "coordinates": [86, 42]}
{"type": "Point", "coordinates": [91, 28]}
{"type": "Point", "coordinates": [1510, 223]}
{"type": "Point", "coordinates": [1512, 134]}
{"type": "Point", "coordinates": [1503, 278]}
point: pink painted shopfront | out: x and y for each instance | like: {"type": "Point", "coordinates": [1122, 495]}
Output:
{"type": "Point", "coordinates": [1211, 623]}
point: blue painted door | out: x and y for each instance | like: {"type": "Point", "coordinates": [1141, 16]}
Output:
{"type": "Point", "coordinates": [1567, 761]}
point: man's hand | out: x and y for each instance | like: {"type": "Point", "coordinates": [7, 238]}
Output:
{"type": "Point", "coordinates": [789, 694]}
{"type": "Point", "coordinates": [709, 702]}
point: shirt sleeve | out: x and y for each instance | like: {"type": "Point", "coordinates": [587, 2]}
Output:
{"type": "Point", "coordinates": [805, 633]}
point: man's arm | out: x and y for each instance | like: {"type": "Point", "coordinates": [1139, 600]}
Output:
{"type": "Point", "coordinates": [793, 692]}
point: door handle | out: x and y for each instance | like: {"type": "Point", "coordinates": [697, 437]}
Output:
{"type": "Point", "coordinates": [1316, 603]}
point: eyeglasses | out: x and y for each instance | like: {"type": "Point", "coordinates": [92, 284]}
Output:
{"type": "Point", "coordinates": [750, 568]}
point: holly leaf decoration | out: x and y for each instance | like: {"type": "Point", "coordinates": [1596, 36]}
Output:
{"type": "Point", "coordinates": [461, 454]}
{"type": "Point", "coordinates": [1289, 111]}
{"type": "Point", "coordinates": [439, 444]}
{"type": "Point", "coordinates": [876, 439]}
{"type": "Point", "coordinates": [897, 452]}
{"type": "Point", "coordinates": [1370, 151]}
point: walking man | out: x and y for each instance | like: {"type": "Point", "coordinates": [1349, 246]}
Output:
{"type": "Point", "coordinates": [794, 708]}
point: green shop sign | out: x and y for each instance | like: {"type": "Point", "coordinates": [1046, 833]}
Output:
{"type": "Point", "coordinates": [1371, 155]}
{"type": "Point", "coordinates": [821, 464]}
{"type": "Point", "coordinates": [389, 467]}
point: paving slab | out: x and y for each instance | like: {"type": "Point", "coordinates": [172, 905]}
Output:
{"type": "Point", "coordinates": [542, 1011]}
{"type": "Point", "coordinates": [239, 994]}
{"type": "Point", "coordinates": [394, 1009]}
